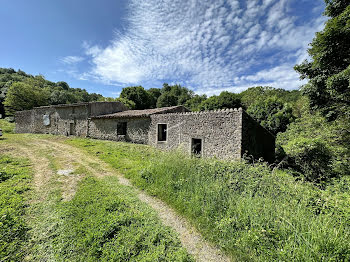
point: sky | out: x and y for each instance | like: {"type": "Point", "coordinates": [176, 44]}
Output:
{"type": "Point", "coordinates": [207, 46]}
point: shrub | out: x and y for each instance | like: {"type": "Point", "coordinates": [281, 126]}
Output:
{"type": "Point", "coordinates": [312, 157]}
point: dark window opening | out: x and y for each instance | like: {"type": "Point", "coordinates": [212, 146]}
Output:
{"type": "Point", "coordinates": [196, 146]}
{"type": "Point", "coordinates": [162, 132]}
{"type": "Point", "coordinates": [121, 128]}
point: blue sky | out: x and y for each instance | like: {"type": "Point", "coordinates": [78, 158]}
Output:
{"type": "Point", "coordinates": [208, 46]}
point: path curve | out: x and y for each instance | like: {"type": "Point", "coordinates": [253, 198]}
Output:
{"type": "Point", "coordinates": [189, 236]}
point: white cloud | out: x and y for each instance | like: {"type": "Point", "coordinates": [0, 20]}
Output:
{"type": "Point", "coordinates": [207, 45]}
{"type": "Point", "coordinates": [70, 60]}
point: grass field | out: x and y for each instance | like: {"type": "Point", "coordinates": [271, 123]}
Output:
{"type": "Point", "coordinates": [44, 218]}
{"type": "Point", "coordinates": [249, 211]}
{"type": "Point", "coordinates": [15, 177]}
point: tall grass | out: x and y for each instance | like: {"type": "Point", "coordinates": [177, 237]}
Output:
{"type": "Point", "coordinates": [249, 211]}
{"type": "Point", "coordinates": [106, 222]}
{"type": "Point", "coordinates": [6, 126]}
{"type": "Point", "coordinates": [15, 175]}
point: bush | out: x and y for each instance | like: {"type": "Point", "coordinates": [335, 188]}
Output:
{"type": "Point", "coordinates": [312, 157]}
{"type": "Point", "coordinates": [7, 127]}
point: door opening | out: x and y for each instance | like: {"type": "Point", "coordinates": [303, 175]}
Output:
{"type": "Point", "coordinates": [71, 129]}
{"type": "Point", "coordinates": [196, 146]}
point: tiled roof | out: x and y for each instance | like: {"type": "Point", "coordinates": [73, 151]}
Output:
{"type": "Point", "coordinates": [144, 113]}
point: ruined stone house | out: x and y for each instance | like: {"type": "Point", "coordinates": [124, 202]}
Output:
{"type": "Point", "coordinates": [225, 134]}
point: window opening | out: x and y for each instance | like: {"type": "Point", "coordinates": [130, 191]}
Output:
{"type": "Point", "coordinates": [162, 132]}
{"type": "Point", "coordinates": [121, 129]}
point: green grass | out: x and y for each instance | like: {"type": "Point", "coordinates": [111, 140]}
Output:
{"type": "Point", "coordinates": [6, 126]}
{"type": "Point", "coordinates": [15, 176]}
{"type": "Point", "coordinates": [250, 212]}
{"type": "Point", "coordinates": [106, 222]}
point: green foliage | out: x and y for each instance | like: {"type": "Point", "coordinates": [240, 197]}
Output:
{"type": "Point", "coordinates": [36, 91]}
{"type": "Point", "coordinates": [173, 95]}
{"type": "Point", "coordinates": [328, 139]}
{"type": "Point", "coordinates": [223, 101]}
{"type": "Point", "coordinates": [14, 182]}
{"type": "Point", "coordinates": [253, 94]}
{"type": "Point", "coordinates": [335, 7]}
{"type": "Point", "coordinates": [313, 158]}
{"type": "Point", "coordinates": [23, 96]}
{"type": "Point", "coordinates": [105, 222]}
{"type": "Point", "coordinates": [128, 103]}
{"type": "Point", "coordinates": [138, 95]}
{"type": "Point", "coordinates": [272, 114]}
{"type": "Point", "coordinates": [154, 94]}
{"type": "Point", "coordinates": [328, 88]}
{"type": "Point", "coordinates": [194, 103]}
{"type": "Point", "coordinates": [7, 127]}
{"type": "Point", "coordinates": [249, 211]}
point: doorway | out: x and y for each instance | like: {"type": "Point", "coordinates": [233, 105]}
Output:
{"type": "Point", "coordinates": [71, 129]}
{"type": "Point", "coordinates": [196, 147]}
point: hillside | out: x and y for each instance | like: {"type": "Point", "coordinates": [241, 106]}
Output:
{"type": "Point", "coordinates": [27, 91]}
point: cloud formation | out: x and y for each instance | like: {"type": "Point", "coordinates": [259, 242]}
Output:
{"type": "Point", "coordinates": [71, 60]}
{"type": "Point", "coordinates": [208, 46]}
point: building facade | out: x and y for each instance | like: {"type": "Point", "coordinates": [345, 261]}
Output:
{"type": "Point", "coordinates": [225, 134]}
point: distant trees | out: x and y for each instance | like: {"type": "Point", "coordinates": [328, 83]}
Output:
{"type": "Point", "coordinates": [174, 95]}
{"type": "Point", "coordinates": [272, 114]}
{"type": "Point", "coordinates": [138, 95]}
{"type": "Point", "coordinates": [222, 101]}
{"type": "Point", "coordinates": [23, 96]}
{"type": "Point", "coordinates": [19, 91]}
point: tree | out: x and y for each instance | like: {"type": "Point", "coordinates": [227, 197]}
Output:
{"type": "Point", "coordinates": [328, 72]}
{"type": "Point", "coordinates": [154, 94]}
{"type": "Point", "coordinates": [194, 103]}
{"type": "Point", "coordinates": [252, 94]}
{"type": "Point", "coordinates": [128, 103]}
{"type": "Point", "coordinates": [138, 95]}
{"type": "Point", "coordinates": [63, 84]}
{"type": "Point", "coordinates": [272, 114]}
{"type": "Point", "coordinates": [174, 95]}
{"type": "Point", "coordinates": [24, 95]}
{"type": "Point", "coordinates": [224, 101]}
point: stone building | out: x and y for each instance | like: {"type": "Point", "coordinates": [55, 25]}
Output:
{"type": "Point", "coordinates": [223, 133]}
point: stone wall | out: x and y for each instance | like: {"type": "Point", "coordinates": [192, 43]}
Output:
{"type": "Point", "coordinates": [103, 108]}
{"type": "Point", "coordinates": [24, 121]}
{"type": "Point", "coordinates": [63, 119]}
{"type": "Point", "coordinates": [256, 140]}
{"type": "Point", "coordinates": [136, 130]}
{"type": "Point", "coordinates": [220, 132]}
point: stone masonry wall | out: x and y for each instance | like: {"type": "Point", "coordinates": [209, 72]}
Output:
{"type": "Point", "coordinates": [63, 119]}
{"type": "Point", "coordinates": [24, 121]}
{"type": "Point", "coordinates": [136, 130]}
{"type": "Point", "coordinates": [220, 132]}
{"type": "Point", "coordinates": [256, 140]}
{"type": "Point", "coordinates": [103, 108]}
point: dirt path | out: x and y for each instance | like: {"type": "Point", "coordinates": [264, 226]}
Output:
{"type": "Point", "coordinates": [53, 159]}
